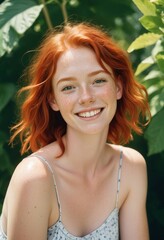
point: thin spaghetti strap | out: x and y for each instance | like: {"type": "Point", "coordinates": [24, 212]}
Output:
{"type": "Point", "coordinates": [1, 228]}
{"type": "Point", "coordinates": [53, 176]}
{"type": "Point", "coordinates": [119, 178]}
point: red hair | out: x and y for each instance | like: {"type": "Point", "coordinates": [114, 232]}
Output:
{"type": "Point", "coordinates": [40, 125]}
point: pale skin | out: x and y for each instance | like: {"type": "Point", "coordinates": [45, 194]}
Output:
{"type": "Point", "coordinates": [86, 174]}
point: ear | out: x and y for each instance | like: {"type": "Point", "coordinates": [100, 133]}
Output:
{"type": "Point", "coordinates": [119, 88]}
{"type": "Point", "coordinates": [52, 102]}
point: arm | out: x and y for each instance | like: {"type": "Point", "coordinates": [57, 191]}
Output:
{"type": "Point", "coordinates": [28, 201]}
{"type": "Point", "coordinates": [133, 219]}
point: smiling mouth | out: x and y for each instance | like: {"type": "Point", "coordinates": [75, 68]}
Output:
{"type": "Point", "coordinates": [90, 113]}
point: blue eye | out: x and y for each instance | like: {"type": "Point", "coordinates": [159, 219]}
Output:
{"type": "Point", "coordinates": [67, 88]}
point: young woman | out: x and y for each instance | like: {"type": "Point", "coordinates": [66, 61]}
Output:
{"type": "Point", "coordinates": [79, 182]}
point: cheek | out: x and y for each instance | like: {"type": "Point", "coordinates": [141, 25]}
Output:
{"type": "Point", "coordinates": [109, 93]}
{"type": "Point", "coordinates": [64, 102]}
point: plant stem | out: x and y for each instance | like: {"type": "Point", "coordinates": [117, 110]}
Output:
{"type": "Point", "coordinates": [64, 11]}
{"type": "Point", "coordinates": [46, 15]}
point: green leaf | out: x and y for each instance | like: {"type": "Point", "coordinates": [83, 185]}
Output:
{"type": "Point", "coordinates": [154, 80]}
{"type": "Point", "coordinates": [15, 18]}
{"type": "Point", "coordinates": [155, 134]}
{"type": "Point", "coordinates": [146, 7]}
{"type": "Point", "coordinates": [146, 63]}
{"type": "Point", "coordinates": [160, 61]}
{"type": "Point", "coordinates": [143, 41]}
{"type": "Point", "coordinates": [7, 90]}
{"type": "Point", "coordinates": [157, 103]}
{"type": "Point", "coordinates": [157, 48]}
{"type": "Point", "coordinates": [152, 23]}
{"type": "Point", "coordinates": [154, 74]}
{"type": "Point", "coordinates": [10, 38]}
{"type": "Point", "coordinates": [11, 9]}
{"type": "Point", "coordinates": [158, 2]}
{"type": "Point", "coordinates": [2, 51]}
{"type": "Point", "coordinates": [156, 86]}
{"type": "Point", "coordinates": [24, 20]}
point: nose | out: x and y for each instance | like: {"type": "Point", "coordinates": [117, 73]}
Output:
{"type": "Point", "coordinates": [86, 96]}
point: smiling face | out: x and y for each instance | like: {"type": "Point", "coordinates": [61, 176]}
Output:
{"type": "Point", "coordinates": [85, 94]}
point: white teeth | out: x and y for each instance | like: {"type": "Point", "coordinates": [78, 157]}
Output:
{"type": "Point", "coordinates": [89, 114]}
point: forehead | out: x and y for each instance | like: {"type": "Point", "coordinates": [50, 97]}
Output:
{"type": "Point", "coordinates": [79, 56]}
{"type": "Point", "coordinates": [75, 61]}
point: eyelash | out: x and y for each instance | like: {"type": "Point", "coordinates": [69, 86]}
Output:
{"type": "Point", "coordinates": [67, 88]}
{"type": "Point", "coordinates": [99, 81]}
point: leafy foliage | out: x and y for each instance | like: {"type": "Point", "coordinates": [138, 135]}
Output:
{"type": "Point", "coordinates": [150, 71]}
{"type": "Point", "coordinates": [144, 40]}
{"type": "Point", "coordinates": [153, 21]}
{"type": "Point", "coordinates": [16, 17]}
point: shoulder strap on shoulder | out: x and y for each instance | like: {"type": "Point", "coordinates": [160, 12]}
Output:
{"type": "Point", "coordinates": [119, 178]}
{"type": "Point", "coordinates": [53, 176]}
{"type": "Point", "coordinates": [1, 228]}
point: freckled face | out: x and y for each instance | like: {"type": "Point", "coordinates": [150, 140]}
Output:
{"type": "Point", "coordinates": [84, 93]}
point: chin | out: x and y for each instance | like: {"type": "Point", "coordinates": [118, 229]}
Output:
{"type": "Point", "coordinates": [94, 130]}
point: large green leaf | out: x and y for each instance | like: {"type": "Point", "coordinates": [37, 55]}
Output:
{"type": "Point", "coordinates": [143, 41]}
{"type": "Point", "coordinates": [16, 16]}
{"type": "Point", "coordinates": [153, 24]}
{"type": "Point", "coordinates": [11, 9]}
{"type": "Point", "coordinates": [146, 7]}
{"type": "Point", "coordinates": [146, 63]}
{"type": "Point", "coordinates": [155, 133]}
{"type": "Point", "coordinates": [6, 92]}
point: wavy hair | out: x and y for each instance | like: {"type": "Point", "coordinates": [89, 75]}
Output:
{"type": "Point", "coordinates": [39, 125]}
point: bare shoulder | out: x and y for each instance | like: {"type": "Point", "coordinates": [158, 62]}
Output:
{"type": "Point", "coordinates": [132, 154]}
{"type": "Point", "coordinates": [30, 169]}
{"type": "Point", "coordinates": [30, 197]}
{"type": "Point", "coordinates": [131, 157]}
{"type": "Point", "coordinates": [28, 200]}
{"type": "Point", "coordinates": [134, 170]}
{"type": "Point", "coordinates": [34, 166]}
{"type": "Point", "coordinates": [133, 160]}
{"type": "Point", "coordinates": [134, 185]}
{"type": "Point", "coordinates": [30, 178]}
{"type": "Point", "coordinates": [33, 173]}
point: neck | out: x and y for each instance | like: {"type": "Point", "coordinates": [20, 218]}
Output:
{"type": "Point", "coordinates": [86, 153]}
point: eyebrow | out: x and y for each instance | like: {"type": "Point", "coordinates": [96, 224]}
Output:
{"type": "Point", "coordinates": [89, 75]}
{"type": "Point", "coordinates": [97, 72]}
